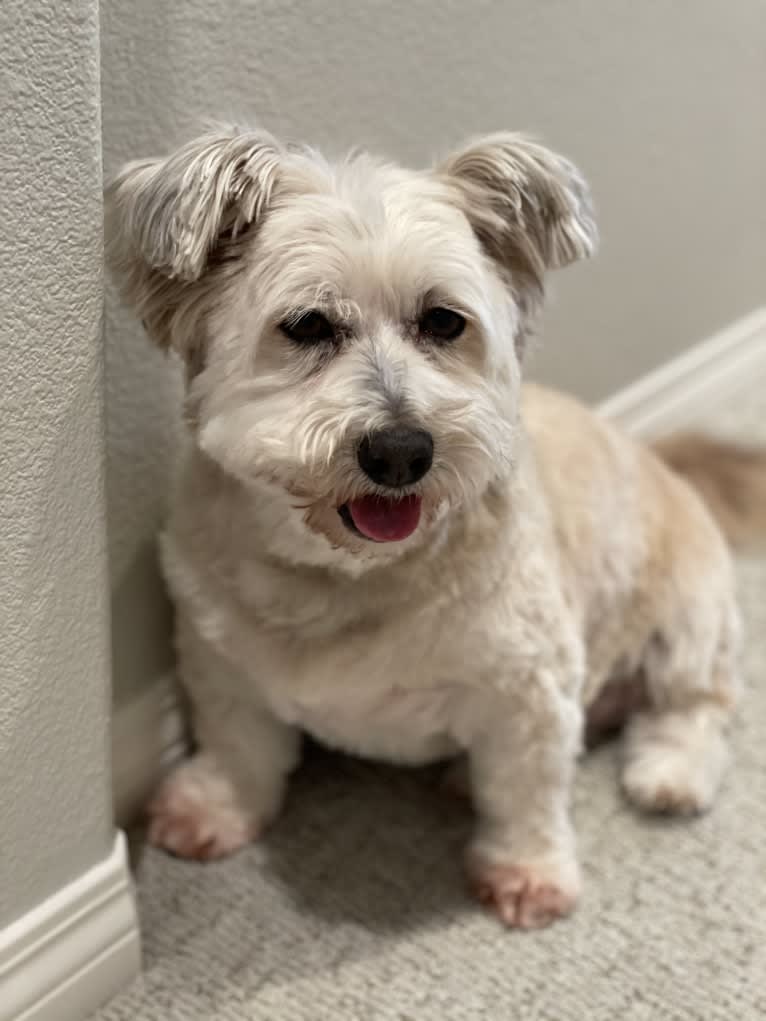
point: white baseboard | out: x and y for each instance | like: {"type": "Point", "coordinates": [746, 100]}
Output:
{"type": "Point", "coordinates": [148, 736]}
{"type": "Point", "coordinates": [685, 390]}
{"type": "Point", "coordinates": [76, 950]}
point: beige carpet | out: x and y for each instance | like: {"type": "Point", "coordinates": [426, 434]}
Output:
{"type": "Point", "coordinates": [354, 908]}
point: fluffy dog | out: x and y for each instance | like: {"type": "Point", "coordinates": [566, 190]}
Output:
{"type": "Point", "coordinates": [380, 538]}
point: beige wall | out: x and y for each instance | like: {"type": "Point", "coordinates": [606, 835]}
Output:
{"type": "Point", "coordinates": [661, 102]}
{"type": "Point", "coordinates": [55, 812]}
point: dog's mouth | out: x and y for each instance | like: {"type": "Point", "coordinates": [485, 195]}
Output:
{"type": "Point", "coordinates": [381, 519]}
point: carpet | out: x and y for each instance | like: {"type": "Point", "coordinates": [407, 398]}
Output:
{"type": "Point", "coordinates": [354, 908]}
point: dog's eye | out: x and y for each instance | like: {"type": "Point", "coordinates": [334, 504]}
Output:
{"type": "Point", "coordinates": [309, 328]}
{"type": "Point", "coordinates": [441, 324]}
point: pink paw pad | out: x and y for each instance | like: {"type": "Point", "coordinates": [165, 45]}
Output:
{"type": "Point", "coordinates": [523, 896]}
{"type": "Point", "coordinates": [187, 823]}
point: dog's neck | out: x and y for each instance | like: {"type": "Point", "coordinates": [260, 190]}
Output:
{"type": "Point", "coordinates": [232, 556]}
{"type": "Point", "coordinates": [205, 485]}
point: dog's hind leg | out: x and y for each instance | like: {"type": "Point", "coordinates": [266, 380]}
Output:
{"type": "Point", "coordinates": [676, 749]}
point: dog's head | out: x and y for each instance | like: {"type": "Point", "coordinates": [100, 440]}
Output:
{"type": "Point", "coordinates": [352, 332]}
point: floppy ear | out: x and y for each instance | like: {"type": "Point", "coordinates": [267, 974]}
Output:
{"type": "Point", "coordinates": [530, 208]}
{"type": "Point", "coordinates": [172, 222]}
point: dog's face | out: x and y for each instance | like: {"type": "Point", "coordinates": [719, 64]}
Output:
{"type": "Point", "coordinates": [352, 332]}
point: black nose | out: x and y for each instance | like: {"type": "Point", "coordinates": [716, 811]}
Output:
{"type": "Point", "coordinates": [396, 457]}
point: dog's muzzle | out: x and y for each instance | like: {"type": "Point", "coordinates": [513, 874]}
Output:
{"type": "Point", "coordinates": [394, 459]}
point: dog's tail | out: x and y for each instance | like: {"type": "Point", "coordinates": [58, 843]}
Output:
{"type": "Point", "coordinates": [730, 477]}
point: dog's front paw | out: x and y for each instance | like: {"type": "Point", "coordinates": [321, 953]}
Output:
{"type": "Point", "coordinates": [526, 894]}
{"type": "Point", "coordinates": [195, 814]}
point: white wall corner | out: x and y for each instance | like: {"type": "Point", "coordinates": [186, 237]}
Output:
{"type": "Point", "coordinates": [684, 391]}
{"type": "Point", "coordinates": [76, 950]}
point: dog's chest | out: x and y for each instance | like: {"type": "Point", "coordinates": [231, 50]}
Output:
{"type": "Point", "coordinates": [386, 675]}
{"type": "Point", "coordinates": [395, 724]}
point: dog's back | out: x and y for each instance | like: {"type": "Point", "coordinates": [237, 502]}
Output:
{"type": "Point", "coordinates": [730, 477]}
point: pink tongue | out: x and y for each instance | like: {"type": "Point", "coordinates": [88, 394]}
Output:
{"type": "Point", "coordinates": [386, 520]}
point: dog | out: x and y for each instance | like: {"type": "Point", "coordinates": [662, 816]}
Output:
{"type": "Point", "coordinates": [382, 538]}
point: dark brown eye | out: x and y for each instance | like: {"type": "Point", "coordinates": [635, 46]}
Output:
{"type": "Point", "coordinates": [308, 328]}
{"type": "Point", "coordinates": [441, 324]}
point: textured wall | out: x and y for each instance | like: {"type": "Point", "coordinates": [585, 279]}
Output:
{"type": "Point", "coordinates": [661, 103]}
{"type": "Point", "coordinates": [54, 670]}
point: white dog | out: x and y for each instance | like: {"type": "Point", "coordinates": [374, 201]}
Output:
{"type": "Point", "coordinates": [380, 538]}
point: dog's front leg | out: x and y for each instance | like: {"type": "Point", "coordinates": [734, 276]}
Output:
{"type": "Point", "coordinates": [231, 788]}
{"type": "Point", "coordinates": [225, 795]}
{"type": "Point", "coordinates": [522, 754]}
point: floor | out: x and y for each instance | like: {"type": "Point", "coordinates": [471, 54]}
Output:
{"type": "Point", "coordinates": [354, 909]}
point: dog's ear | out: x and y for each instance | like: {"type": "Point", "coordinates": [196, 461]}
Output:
{"type": "Point", "coordinates": [530, 208]}
{"type": "Point", "coordinates": [170, 221]}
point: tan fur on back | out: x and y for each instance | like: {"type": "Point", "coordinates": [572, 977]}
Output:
{"type": "Point", "coordinates": [730, 477]}
{"type": "Point", "coordinates": [621, 519]}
